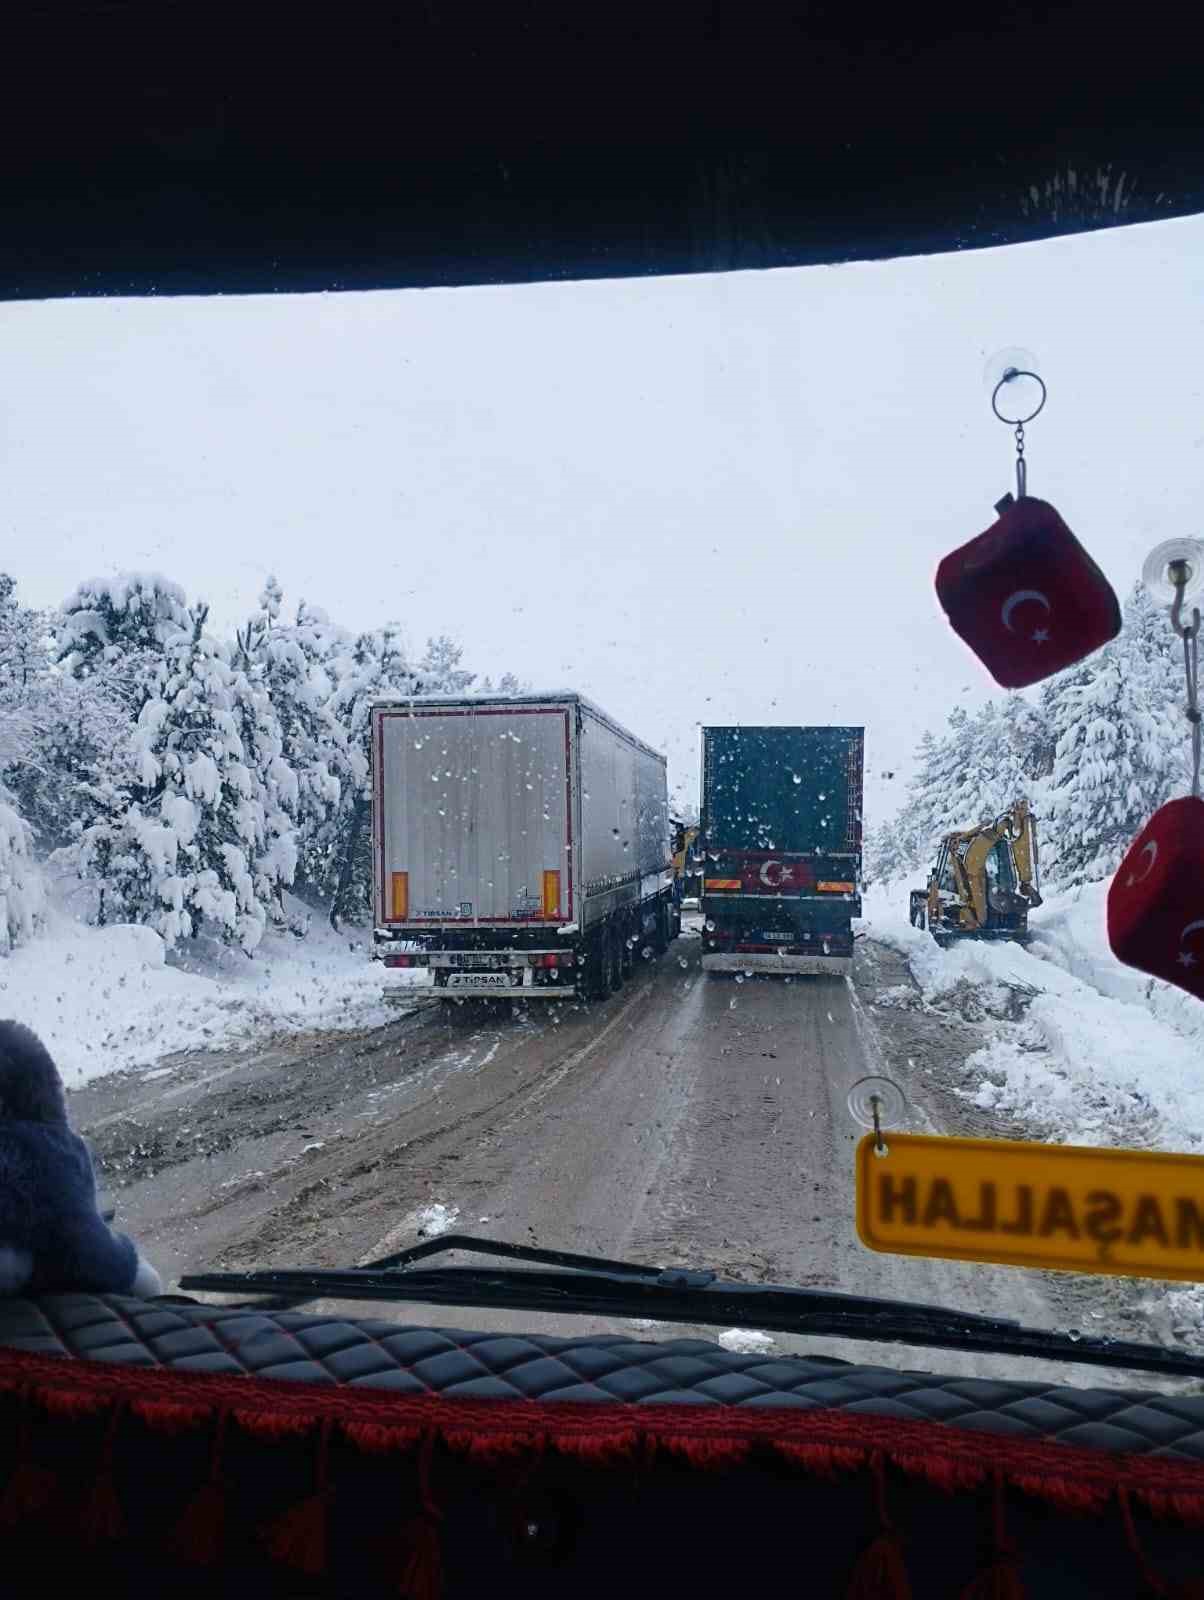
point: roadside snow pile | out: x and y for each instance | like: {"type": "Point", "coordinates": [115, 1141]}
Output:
{"type": "Point", "coordinates": [1077, 1047]}
{"type": "Point", "coordinates": [746, 1341]}
{"type": "Point", "coordinates": [104, 999]}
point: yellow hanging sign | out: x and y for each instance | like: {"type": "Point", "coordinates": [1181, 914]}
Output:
{"type": "Point", "coordinates": [1069, 1208]}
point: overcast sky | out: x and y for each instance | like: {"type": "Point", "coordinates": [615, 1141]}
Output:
{"type": "Point", "coordinates": [709, 499]}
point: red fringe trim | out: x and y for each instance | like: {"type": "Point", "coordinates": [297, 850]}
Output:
{"type": "Point", "coordinates": [999, 1578]}
{"type": "Point", "coordinates": [31, 1489]}
{"type": "Point", "coordinates": [707, 1437]}
{"type": "Point", "coordinates": [421, 1563]}
{"type": "Point", "coordinates": [199, 1535]}
{"type": "Point", "coordinates": [101, 1516]}
{"type": "Point", "coordinates": [880, 1572]}
{"type": "Point", "coordinates": [298, 1538]}
{"type": "Point", "coordinates": [1154, 1583]}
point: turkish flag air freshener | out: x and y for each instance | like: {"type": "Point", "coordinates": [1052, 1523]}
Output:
{"type": "Point", "coordinates": [1156, 899]}
{"type": "Point", "coordinates": [1026, 597]}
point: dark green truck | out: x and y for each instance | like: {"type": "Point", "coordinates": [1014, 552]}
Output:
{"type": "Point", "coordinates": [781, 841]}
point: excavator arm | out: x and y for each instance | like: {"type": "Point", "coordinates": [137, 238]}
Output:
{"type": "Point", "coordinates": [1024, 852]}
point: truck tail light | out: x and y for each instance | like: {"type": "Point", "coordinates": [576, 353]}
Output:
{"type": "Point", "coordinates": [551, 894]}
{"type": "Point", "coordinates": [399, 903]}
{"type": "Point", "coordinates": [551, 958]}
{"type": "Point", "coordinates": [835, 888]}
{"type": "Point", "coordinates": [721, 883]}
{"type": "Point", "coordinates": [402, 961]}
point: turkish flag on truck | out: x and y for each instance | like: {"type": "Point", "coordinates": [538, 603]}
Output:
{"type": "Point", "coordinates": [759, 872]}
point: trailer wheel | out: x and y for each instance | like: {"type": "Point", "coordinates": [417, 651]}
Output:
{"type": "Point", "coordinates": [615, 967]}
{"type": "Point", "coordinates": [594, 980]}
{"type": "Point", "coordinates": [629, 943]}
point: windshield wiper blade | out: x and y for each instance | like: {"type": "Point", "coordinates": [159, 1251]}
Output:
{"type": "Point", "coordinates": [594, 1285]}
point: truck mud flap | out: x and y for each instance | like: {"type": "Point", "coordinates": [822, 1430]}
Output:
{"type": "Point", "coordinates": [781, 966]}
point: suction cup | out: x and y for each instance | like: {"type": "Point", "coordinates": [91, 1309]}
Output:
{"type": "Point", "coordinates": [1158, 571]}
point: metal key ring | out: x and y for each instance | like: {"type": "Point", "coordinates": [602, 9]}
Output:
{"type": "Point", "coordinates": [1018, 372]}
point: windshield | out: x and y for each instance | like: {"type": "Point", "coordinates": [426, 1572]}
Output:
{"type": "Point", "coordinates": [469, 757]}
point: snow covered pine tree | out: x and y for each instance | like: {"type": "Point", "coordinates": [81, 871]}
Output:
{"type": "Point", "coordinates": [371, 667]}
{"type": "Point", "coordinates": [188, 833]}
{"type": "Point", "coordinates": [1118, 754]}
{"type": "Point", "coordinates": [289, 662]}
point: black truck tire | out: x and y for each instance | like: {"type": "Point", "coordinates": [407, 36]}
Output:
{"type": "Point", "coordinates": [594, 977]}
{"type": "Point", "coordinates": [616, 966]}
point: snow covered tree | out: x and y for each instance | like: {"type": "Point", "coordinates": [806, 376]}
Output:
{"type": "Point", "coordinates": [1119, 747]}
{"type": "Point", "coordinates": [22, 897]}
{"type": "Point", "coordinates": [24, 665]}
{"type": "Point", "coordinates": [372, 667]}
{"type": "Point", "coordinates": [192, 834]}
{"type": "Point", "coordinates": [121, 623]}
{"type": "Point", "coordinates": [507, 684]}
{"type": "Point", "coordinates": [24, 655]}
{"type": "Point", "coordinates": [51, 726]}
{"type": "Point", "coordinates": [290, 663]}
{"type": "Point", "coordinates": [979, 767]}
{"type": "Point", "coordinates": [440, 667]}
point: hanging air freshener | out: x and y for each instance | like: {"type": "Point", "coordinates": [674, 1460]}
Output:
{"type": "Point", "coordinates": [1156, 899]}
{"type": "Point", "coordinates": [1025, 596]}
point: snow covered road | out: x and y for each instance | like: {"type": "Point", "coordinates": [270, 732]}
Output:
{"type": "Point", "coordinates": [688, 1120]}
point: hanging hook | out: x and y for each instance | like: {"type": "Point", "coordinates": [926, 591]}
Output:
{"type": "Point", "coordinates": [1018, 423]}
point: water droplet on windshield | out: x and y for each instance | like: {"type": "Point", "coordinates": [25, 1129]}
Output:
{"type": "Point", "coordinates": [1074, 1335]}
{"type": "Point", "coordinates": [731, 1005]}
{"type": "Point", "coordinates": [682, 963]}
{"type": "Point", "coordinates": [739, 977]}
{"type": "Point", "coordinates": [709, 925]}
{"type": "Point", "coordinates": [646, 952]}
{"type": "Point", "coordinates": [796, 777]}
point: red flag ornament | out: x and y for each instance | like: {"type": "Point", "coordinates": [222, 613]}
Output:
{"type": "Point", "coordinates": [1156, 899]}
{"type": "Point", "coordinates": [1026, 596]}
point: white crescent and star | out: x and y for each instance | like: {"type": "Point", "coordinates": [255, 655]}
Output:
{"type": "Point", "coordinates": [1186, 959]}
{"type": "Point", "coordinates": [1151, 850]}
{"type": "Point", "coordinates": [785, 875]}
{"type": "Point", "coordinates": [1019, 598]}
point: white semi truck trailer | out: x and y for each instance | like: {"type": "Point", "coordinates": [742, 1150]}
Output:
{"type": "Point", "coordinates": [521, 846]}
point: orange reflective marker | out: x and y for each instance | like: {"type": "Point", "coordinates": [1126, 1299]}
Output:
{"type": "Point", "coordinates": [1066, 1208]}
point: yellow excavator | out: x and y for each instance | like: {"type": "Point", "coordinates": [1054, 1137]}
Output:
{"type": "Point", "coordinates": [984, 883]}
{"type": "Point", "coordinates": [687, 877]}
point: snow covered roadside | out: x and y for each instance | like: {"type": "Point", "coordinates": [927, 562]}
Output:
{"type": "Point", "coordinates": [107, 999]}
{"type": "Point", "coordinates": [1078, 1048]}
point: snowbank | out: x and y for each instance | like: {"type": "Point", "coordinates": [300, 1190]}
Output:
{"type": "Point", "coordinates": [1077, 1047]}
{"type": "Point", "coordinates": [104, 999]}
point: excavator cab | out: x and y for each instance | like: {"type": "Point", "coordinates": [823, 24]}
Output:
{"type": "Point", "coordinates": [985, 881]}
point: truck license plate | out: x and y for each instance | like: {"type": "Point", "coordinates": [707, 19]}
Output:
{"type": "Point", "coordinates": [478, 980]}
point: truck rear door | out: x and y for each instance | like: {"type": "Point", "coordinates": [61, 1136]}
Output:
{"type": "Point", "coordinates": [474, 816]}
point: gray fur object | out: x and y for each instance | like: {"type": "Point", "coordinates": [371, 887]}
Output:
{"type": "Point", "coordinates": [52, 1235]}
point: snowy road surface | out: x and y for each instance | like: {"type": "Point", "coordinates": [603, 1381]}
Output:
{"type": "Point", "coordinates": [686, 1120]}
